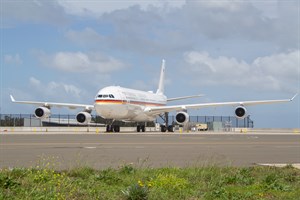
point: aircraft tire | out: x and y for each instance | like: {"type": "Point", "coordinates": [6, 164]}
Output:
{"type": "Point", "coordinates": [143, 128]}
{"type": "Point", "coordinates": [138, 128]}
{"type": "Point", "coordinates": [116, 128]}
{"type": "Point", "coordinates": [171, 128]}
{"type": "Point", "coordinates": [108, 128]}
{"type": "Point", "coordinates": [163, 128]}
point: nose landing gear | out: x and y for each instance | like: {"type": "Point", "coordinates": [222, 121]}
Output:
{"type": "Point", "coordinates": [140, 128]}
{"type": "Point", "coordinates": [112, 128]}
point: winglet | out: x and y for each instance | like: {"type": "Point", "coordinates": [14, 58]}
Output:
{"type": "Point", "coordinates": [293, 97]}
{"type": "Point", "coordinates": [12, 98]}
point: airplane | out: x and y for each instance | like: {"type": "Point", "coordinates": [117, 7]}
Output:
{"type": "Point", "coordinates": [130, 105]}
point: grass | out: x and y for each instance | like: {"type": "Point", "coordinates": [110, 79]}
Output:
{"type": "Point", "coordinates": [128, 182]}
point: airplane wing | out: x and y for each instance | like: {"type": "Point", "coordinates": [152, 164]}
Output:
{"type": "Point", "coordinates": [185, 97]}
{"type": "Point", "coordinates": [162, 109]}
{"type": "Point", "coordinates": [53, 104]}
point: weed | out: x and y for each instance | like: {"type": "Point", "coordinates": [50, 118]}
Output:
{"type": "Point", "coordinates": [107, 176]}
{"type": "Point", "coordinates": [7, 182]}
{"type": "Point", "coordinates": [127, 169]}
{"type": "Point", "coordinates": [272, 182]}
{"type": "Point", "coordinates": [127, 182]}
{"type": "Point", "coordinates": [241, 176]}
{"type": "Point", "coordinates": [169, 181]}
{"type": "Point", "coordinates": [81, 172]}
{"type": "Point", "coordinates": [136, 192]}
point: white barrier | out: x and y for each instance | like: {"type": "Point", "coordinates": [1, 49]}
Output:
{"type": "Point", "coordinates": [67, 129]}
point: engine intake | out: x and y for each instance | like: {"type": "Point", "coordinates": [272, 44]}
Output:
{"type": "Point", "coordinates": [42, 112]}
{"type": "Point", "coordinates": [84, 117]}
{"type": "Point", "coordinates": [240, 112]}
{"type": "Point", "coordinates": [182, 118]}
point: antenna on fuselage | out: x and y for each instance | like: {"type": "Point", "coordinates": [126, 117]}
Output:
{"type": "Point", "coordinates": [161, 84]}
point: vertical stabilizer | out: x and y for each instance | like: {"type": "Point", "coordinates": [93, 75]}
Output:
{"type": "Point", "coordinates": [161, 84]}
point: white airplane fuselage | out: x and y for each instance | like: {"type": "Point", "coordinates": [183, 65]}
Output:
{"type": "Point", "coordinates": [126, 104]}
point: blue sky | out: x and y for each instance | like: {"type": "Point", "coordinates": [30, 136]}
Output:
{"type": "Point", "coordinates": [65, 51]}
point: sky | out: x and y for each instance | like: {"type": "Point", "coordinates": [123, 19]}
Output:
{"type": "Point", "coordinates": [65, 51]}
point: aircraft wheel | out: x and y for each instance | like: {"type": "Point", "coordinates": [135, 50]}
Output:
{"type": "Point", "coordinates": [163, 128]}
{"type": "Point", "coordinates": [108, 128]}
{"type": "Point", "coordinates": [116, 128]}
{"type": "Point", "coordinates": [138, 128]}
{"type": "Point", "coordinates": [143, 128]}
{"type": "Point", "coordinates": [170, 128]}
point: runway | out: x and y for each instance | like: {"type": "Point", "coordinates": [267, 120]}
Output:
{"type": "Point", "coordinates": [63, 151]}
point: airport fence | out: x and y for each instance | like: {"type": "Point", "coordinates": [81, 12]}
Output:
{"type": "Point", "coordinates": [29, 120]}
{"type": "Point", "coordinates": [228, 121]}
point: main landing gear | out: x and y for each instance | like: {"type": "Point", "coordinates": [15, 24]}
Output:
{"type": "Point", "coordinates": [164, 128]}
{"type": "Point", "coordinates": [167, 127]}
{"type": "Point", "coordinates": [142, 128]}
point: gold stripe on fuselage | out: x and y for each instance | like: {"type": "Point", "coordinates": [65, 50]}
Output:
{"type": "Point", "coordinates": [125, 102]}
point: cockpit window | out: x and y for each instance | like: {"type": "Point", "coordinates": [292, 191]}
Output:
{"type": "Point", "coordinates": [106, 96]}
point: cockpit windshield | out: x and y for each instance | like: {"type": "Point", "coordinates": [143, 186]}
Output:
{"type": "Point", "coordinates": [105, 96]}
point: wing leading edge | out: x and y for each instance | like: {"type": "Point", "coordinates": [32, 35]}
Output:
{"type": "Point", "coordinates": [54, 104]}
{"type": "Point", "coordinates": [161, 109]}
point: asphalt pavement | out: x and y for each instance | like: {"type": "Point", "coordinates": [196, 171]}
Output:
{"type": "Point", "coordinates": [63, 151]}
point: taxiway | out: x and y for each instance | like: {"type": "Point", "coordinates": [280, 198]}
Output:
{"type": "Point", "coordinates": [100, 151]}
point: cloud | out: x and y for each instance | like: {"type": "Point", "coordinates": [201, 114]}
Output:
{"type": "Point", "coordinates": [37, 12]}
{"type": "Point", "coordinates": [52, 89]}
{"type": "Point", "coordinates": [86, 37]}
{"type": "Point", "coordinates": [96, 9]}
{"type": "Point", "coordinates": [34, 82]}
{"type": "Point", "coordinates": [13, 59]}
{"type": "Point", "coordinates": [197, 24]}
{"type": "Point", "coordinates": [238, 19]}
{"type": "Point", "coordinates": [275, 72]}
{"type": "Point", "coordinates": [78, 62]}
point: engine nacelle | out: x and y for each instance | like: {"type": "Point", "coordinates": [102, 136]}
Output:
{"type": "Point", "coordinates": [84, 117]}
{"type": "Point", "coordinates": [42, 112]}
{"type": "Point", "coordinates": [240, 112]}
{"type": "Point", "coordinates": [182, 118]}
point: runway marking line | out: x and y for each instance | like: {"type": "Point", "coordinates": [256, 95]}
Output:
{"type": "Point", "coordinates": [89, 147]}
{"type": "Point", "coordinates": [295, 165]}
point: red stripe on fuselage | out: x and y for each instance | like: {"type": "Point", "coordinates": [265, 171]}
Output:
{"type": "Point", "coordinates": [126, 102]}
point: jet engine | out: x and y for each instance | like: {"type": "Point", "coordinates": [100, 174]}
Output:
{"type": "Point", "coordinates": [182, 118]}
{"type": "Point", "coordinates": [84, 117]}
{"type": "Point", "coordinates": [240, 112]}
{"type": "Point", "coordinates": [42, 112]}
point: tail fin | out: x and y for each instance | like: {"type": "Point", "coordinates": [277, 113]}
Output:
{"type": "Point", "coordinates": [161, 84]}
